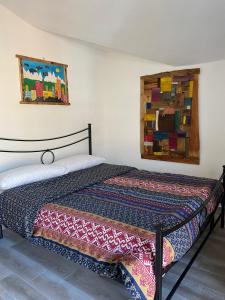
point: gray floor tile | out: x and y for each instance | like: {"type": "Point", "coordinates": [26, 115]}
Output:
{"type": "Point", "coordinates": [19, 289]}
{"type": "Point", "coordinates": [58, 289]}
{"type": "Point", "coordinates": [4, 271]}
{"type": "Point", "coordinates": [20, 264]}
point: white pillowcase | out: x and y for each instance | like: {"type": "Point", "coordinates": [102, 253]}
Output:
{"type": "Point", "coordinates": [28, 174]}
{"type": "Point", "coordinates": [79, 162]}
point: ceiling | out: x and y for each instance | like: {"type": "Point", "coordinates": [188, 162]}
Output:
{"type": "Point", "coordinates": [175, 32]}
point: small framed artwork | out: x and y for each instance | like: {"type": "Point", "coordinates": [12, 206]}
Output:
{"type": "Point", "coordinates": [43, 82]}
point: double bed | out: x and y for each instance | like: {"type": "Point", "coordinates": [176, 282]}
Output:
{"type": "Point", "coordinates": [127, 224]}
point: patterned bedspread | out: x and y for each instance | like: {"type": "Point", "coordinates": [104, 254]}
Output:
{"type": "Point", "coordinates": [104, 218]}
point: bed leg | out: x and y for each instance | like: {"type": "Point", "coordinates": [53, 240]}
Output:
{"type": "Point", "coordinates": [223, 201]}
{"type": "Point", "coordinates": [212, 223]}
{"type": "Point", "coordinates": [89, 139]}
{"type": "Point", "coordinates": [222, 214]}
{"type": "Point", "coordinates": [1, 232]}
{"type": "Point", "coordinates": [159, 262]}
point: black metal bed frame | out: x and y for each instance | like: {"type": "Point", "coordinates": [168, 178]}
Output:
{"type": "Point", "coordinates": [50, 150]}
{"type": "Point", "coordinates": [159, 230]}
{"type": "Point", "coordinates": [163, 232]}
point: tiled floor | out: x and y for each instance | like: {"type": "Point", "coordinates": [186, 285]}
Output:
{"type": "Point", "coordinates": [30, 273]}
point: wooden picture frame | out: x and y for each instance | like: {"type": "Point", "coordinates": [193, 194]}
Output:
{"type": "Point", "coordinates": [42, 81]}
{"type": "Point", "coordinates": [169, 116]}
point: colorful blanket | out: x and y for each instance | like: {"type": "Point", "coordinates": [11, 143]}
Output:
{"type": "Point", "coordinates": [104, 219]}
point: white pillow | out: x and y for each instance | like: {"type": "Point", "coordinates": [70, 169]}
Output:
{"type": "Point", "coordinates": [79, 162]}
{"type": "Point", "coordinates": [28, 174]}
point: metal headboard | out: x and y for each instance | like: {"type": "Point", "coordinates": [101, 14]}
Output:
{"type": "Point", "coordinates": [50, 150]}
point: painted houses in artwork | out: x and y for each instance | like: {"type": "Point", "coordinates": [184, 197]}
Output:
{"type": "Point", "coordinates": [58, 88]}
{"type": "Point", "coordinates": [43, 82]}
{"type": "Point", "coordinates": [39, 89]}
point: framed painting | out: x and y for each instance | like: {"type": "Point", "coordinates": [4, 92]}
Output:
{"type": "Point", "coordinates": [169, 116]}
{"type": "Point", "coordinates": [43, 82]}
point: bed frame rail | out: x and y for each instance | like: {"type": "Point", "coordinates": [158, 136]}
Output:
{"type": "Point", "coordinates": [49, 149]}
{"type": "Point", "coordinates": [161, 232]}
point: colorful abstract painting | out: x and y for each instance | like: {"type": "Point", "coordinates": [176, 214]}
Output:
{"type": "Point", "coordinates": [169, 116]}
{"type": "Point", "coordinates": [43, 82]}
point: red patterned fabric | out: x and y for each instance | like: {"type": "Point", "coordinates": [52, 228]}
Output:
{"type": "Point", "coordinates": [104, 239]}
{"type": "Point", "coordinates": [202, 192]}
{"type": "Point", "coordinates": [173, 188]}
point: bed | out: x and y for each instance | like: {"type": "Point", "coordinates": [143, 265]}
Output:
{"type": "Point", "coordinates": [127, 224]}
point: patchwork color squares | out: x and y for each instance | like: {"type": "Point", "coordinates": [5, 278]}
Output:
{"type": "Point", "coordinates": [171, 97]}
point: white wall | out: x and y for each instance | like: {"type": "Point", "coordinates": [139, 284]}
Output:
{"type": "Point", "coordinates": [104, 89]}
{"type": "Point", "coordinates": [30, 121]}
{"type": "Point", "coordinates": [120, 110]}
